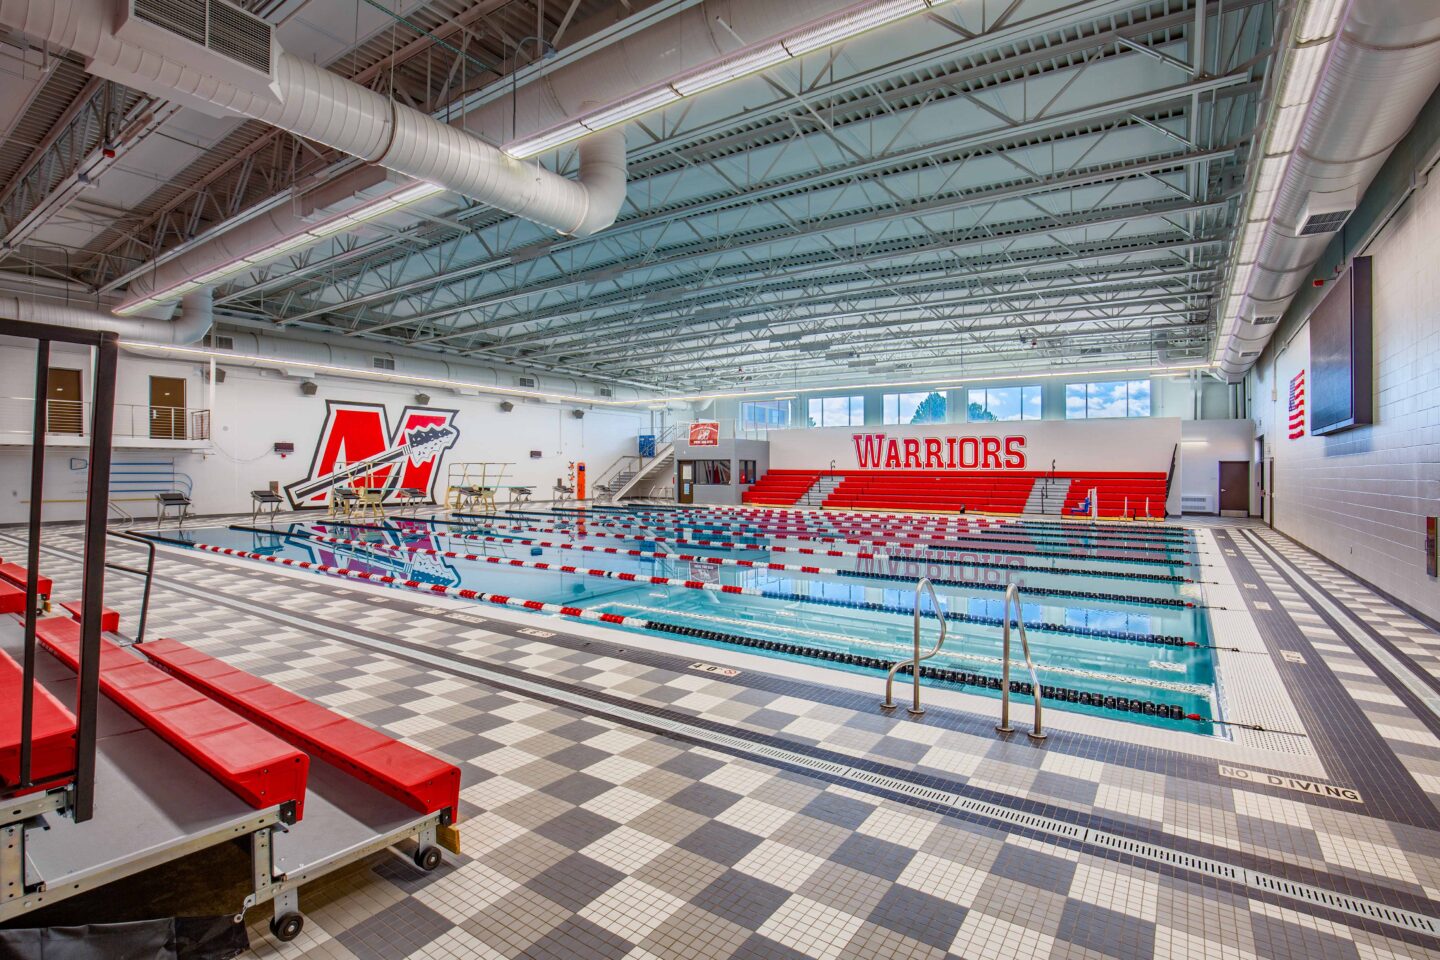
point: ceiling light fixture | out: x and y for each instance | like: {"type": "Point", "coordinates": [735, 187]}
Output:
{"type": "Point", "coordinates": [814, 36]}
{"type": "Point", "coordinates": [408, 194]}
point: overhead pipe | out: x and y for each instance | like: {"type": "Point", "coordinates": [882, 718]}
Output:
{"type": "Point", "coordinates": [314, 103]}
{"type": "Point", "coordinates": [196, 316]}
{"type": "Point", "coordinates": [1384, 66]}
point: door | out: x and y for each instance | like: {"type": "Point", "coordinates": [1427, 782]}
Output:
{"type": "Point", "coordinates": [1234, 488]}
{"type": "Point", "coordinates": [685, 482]}
{"type": "Point", "coordinates": [167, 408]}
{"type": "Point", "coordinates": [64, 410]}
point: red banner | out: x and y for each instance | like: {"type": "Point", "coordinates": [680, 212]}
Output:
{"type": "Point", "coordinates": [705, 433]}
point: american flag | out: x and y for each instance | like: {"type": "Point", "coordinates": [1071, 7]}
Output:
{"type": "Point", "coordinates": [1297, 405]}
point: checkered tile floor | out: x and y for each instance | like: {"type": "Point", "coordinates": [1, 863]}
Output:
{"type": "Point", "coordinates": [587, 837]}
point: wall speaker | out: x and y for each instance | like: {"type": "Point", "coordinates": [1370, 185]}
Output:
{"type": "Point", "coordinates": [578, 414]}
{"type": "Point", "coordinates": [309, 387]}
{"type": "Point", "coordinates": [423, 399]}
{"type": "Point", "coordinates": [506, 406]}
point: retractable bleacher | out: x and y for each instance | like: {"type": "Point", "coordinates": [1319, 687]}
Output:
{"type": "Point", "coordinates": [781, 487]}
{"type": "Point", "coordinates": [934, 491]}
{"type": "Point", "coordinates": [1119, 494]}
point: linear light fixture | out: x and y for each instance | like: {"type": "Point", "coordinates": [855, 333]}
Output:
{"type": "Point", "coordinates": [403, 196]}
{"type": "Point", "coordinates": [811, 37]}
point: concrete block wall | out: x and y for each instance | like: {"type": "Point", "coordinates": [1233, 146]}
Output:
{"type": "Point", "coordinates": [1361, 497]}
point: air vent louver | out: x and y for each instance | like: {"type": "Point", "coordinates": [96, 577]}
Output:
{"type": "Point", "coordinates": [528, 382]}
{"type": "Point", "coordinates": [213, 24]}
{"type": "Point", "coordinates": [1324, 222]}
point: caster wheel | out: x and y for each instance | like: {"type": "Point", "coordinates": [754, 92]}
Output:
{"type": "Point", "coordinates": [427, 858]}
{"type": "Point", "coordinates": [287, 926]}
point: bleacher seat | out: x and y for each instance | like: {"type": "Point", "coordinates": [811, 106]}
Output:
{"type": "Point", "coordinates": [781, 487]}
{"type": "Point", "coordinates": [109, 619]}
{"type": "Point", "coordinates": [251, 762]}
{"type": "Point", "coordinates": [15, 574]}
{"type": "Point", "coordinates": [934, 491]}
{"type": "Point", "coordinates": [52, 740]}
{"type": "Point", "coordinates": [420, 781]}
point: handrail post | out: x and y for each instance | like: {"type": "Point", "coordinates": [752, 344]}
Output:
{"type": "Point", "coordinates": [1012, 594]}
{"type": "Point", "coordinates": [915, 709]}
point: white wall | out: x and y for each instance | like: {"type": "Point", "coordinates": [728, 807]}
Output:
{"type": "Point", "coordinates": [1361, 497]}
{"type": "Point", "coordinates": [1203, 444]}
{"type": "Point", "coordinates": [256, 408]}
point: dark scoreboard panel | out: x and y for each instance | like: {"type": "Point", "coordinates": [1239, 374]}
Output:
{"type": "Point", "coordinates": [1341, 354]}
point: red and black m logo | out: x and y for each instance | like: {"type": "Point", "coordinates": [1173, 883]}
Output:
{"type": "Point", "coordinates": [356, 447]}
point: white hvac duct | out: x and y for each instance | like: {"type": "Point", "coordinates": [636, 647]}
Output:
{"type": "Point", "coordinates": [1384, 66]}
{"type": "Point", "coordinates": [314, 103]}
{"type": "Point", "coordinates": [196, 316]}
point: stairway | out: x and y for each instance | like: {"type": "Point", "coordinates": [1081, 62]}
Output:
{"type": "Point", "coordinates": [626, 480]}
{"type": "Point", "coordinates": [1048, 496]}
{"type": "Point", "coordinates": [819, 491]}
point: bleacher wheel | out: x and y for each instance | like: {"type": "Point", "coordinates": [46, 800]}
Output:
{"type": "Point", "coordinates": [287, 926]}
{"type": "Point", "coordinates": [427, 858]}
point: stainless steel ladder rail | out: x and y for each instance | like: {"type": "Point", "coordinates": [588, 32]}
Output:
{"type": "Point", "coordinates": [1012, 594]}
{"type": "Point", "coordinates": [915, 709]}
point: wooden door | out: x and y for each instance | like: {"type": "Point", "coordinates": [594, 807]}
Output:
{"type": "Point", "coordinates": [685, 482]}
{"type": "Point", "coordinates": [1234, 488]}
{"type": "Point", "coordinates": [64, 408]}
{"type": "Point", "coordinates": [167, 408]}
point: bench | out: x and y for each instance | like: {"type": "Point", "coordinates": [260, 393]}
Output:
{"type": "Point", "coordinates": [252, 763]}
{"type": "Point", "coordinates": [420, 781]}
{"type": "Point", "coordinates": [52, 731]}
{"type": "Point", "coordinates": [15, 574]}
{"type": "Point", "coordinates": [109, 619]}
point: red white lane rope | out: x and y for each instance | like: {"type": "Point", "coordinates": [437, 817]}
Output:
{"type": "Point", "coordinates": [916, 541]}
{"type": "Point", "coordinates": [434, 589]}
{"type": "Point", "coordinates": [589, 548]}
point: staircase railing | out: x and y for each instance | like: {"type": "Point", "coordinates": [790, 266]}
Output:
{"type": "Point", "coordinates": [148, 574]}
{"type": "Point", "coordinates": [914, 662]}
{"type": "Point", "coordinates": [1012, 595]}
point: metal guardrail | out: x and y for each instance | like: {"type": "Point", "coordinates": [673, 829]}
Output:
{"type": "Point", "coordinates": [914, 662]}
{"type": "Point", "coordinates": [1012, 595]}
{"type": "Point", "coordinates": [75, 418]}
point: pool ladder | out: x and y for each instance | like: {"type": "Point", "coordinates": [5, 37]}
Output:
{"type": "Point", "coordinates": [1012, 597]}
{"type": "Point", "coordinates": [914, 663]}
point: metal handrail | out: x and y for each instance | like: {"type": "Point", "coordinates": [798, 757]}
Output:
{"type": "Point", "coordinates": [915, 709]}
{"type": "Point", "coordinates": [148, 573]}
{"type": "Point", "coordinates": [1012, 593]}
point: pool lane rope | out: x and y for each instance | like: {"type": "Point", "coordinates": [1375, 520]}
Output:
{"type": "Point", "coordinates": [963, 678]}
{"type": "Point", "coordinates": [1176, 602]}
{"type": "Point", "coordinates": [891, 521]}
{"type": "Point", "coordinates": [914, 544]}
{"type": "Point", "coordinates": [797, 533]}
{"type": "Point", "coordinates": [1124, 635]}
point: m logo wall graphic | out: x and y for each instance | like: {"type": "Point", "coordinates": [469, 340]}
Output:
{"type": "Point", "coordinates": [356, 447]}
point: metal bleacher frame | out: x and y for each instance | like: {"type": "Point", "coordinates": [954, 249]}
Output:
{"type": "Point", "coordinates": [133, 802]}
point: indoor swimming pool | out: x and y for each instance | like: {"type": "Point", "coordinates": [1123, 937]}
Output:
{"type": "Point", "coordinates": [1115, 616]}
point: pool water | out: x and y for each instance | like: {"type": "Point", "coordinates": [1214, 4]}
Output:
{"type": "Point", "coordinates": [1113, 615]}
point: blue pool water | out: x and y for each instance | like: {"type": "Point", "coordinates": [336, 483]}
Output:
{"type": "Point", "coordinates": [1105, 612]}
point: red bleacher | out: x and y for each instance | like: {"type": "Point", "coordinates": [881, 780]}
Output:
{"type": "Point", "coordinates": [934, 491]}
{"type": "Point", "coordinates": [15, 574]}
{"type": "Point", "coordinates": [974, 491]}
{"type": "Point", "coordinates": [1120, 494]}
{"type": "Point", "coordinates": [781, 486]}
{"type": "Point", "coordinates": [255, 765]}
{"type": "Point", "coordinates": [52, 743]}
{"type": "Point", "coordinates": [420, 781]}
{"type": "Point", "coordinates": [109, 619]}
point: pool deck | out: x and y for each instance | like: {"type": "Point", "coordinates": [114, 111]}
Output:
{"type": "Point", "coordinates": [623, 799]}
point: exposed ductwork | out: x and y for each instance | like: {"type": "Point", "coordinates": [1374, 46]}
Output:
{"type": "Point", "coordinates": [196, 316]}
{"type": "Point", "coordinates": [1384, 66]}
{"type": "Point", "coordinates": [314, 103]}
